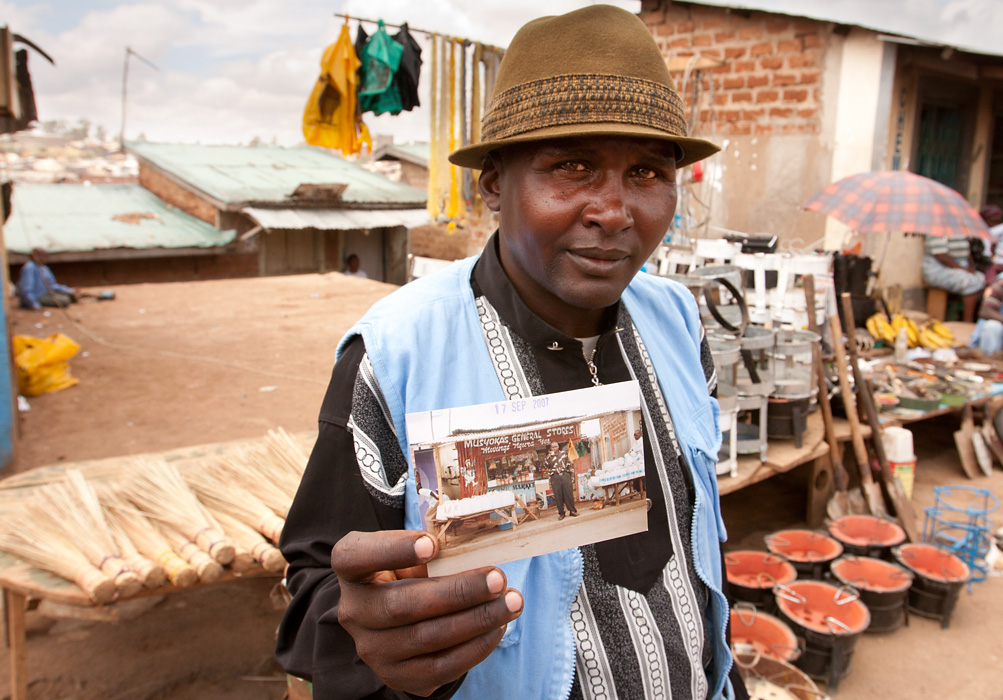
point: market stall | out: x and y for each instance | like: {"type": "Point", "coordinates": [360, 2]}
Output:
{"type": "Point", "coordinates": [28, 580]}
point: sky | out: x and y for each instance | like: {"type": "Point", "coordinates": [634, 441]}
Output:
{"type": "Point", "coordinates": [229, 71]}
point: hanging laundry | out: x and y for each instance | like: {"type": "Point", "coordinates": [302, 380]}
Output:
{"type": "Point", "coordinates": [434, 193]}
{"type": "Point", "coordinates": [330, 116]}
{"type": "Point", "coordinates": [406, 79]}
{"type": "Point", "coordinates": [381, 60]}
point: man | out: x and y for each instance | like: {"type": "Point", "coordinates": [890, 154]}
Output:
{"type": "Point", "coordinates": [579, 156]}
{"type": "Point", "coordinates": [948, 264]}
{"type": "Point", "coordinates": [560, 468]}
{"type": "Point", "coordinates": [993, 216]}
{"type": "Point", "coordinates": [352, 269]}
{"type": "Point", "coordinates": [988, 333]}
{"type": "Point", "coordinates": [37, 286]}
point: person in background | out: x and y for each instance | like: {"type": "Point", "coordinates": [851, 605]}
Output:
{"type": "Point", "coordinates": [561, 472]}
{"type": "Point", "coordinates": [352, 267]}
{"type": "Point", "coordinates": [948, 265]}
{"type": "Point", "coordinates": [993, 216]}
{"type": "Point", "coordinates": [988, 334]}
{"type": "Point", "coordinates": [37, 286]}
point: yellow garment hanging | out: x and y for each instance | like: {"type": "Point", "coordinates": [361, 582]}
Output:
{"type": "Point", "coordinates": [330, 116]}
{"type": "Point", "coordinates": [434, 196]}
{"type": "Point", "coordinates": [454, 195]}
{"type": "Point", "coordinates": [475, 120]}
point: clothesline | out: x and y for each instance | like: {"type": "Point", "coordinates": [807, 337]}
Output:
{"type": "Point", "coordinates": [412, 29]}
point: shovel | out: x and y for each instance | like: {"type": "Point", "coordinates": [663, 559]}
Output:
{"type": "Point", "coordinates": [872, 491]}
{"type": "Point", "coordinates": [841, 502]}
{"type": "Point", "coordinates": [896, 494]}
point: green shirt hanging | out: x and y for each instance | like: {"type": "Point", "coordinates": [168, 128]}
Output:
{"type": "Point", "coordinates": [381, 60]}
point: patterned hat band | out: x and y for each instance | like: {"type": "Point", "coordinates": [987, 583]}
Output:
{"type": "Point", "coordinates": [583, 99]}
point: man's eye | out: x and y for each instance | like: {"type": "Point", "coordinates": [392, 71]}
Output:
{"type": "Point", "coordinates": [646, 173]}
{"type": "Point", "coordinates": [572, 166]}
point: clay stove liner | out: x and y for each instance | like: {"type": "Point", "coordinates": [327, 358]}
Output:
{"type": "Point", "coordinates": [804, 546]}
{"type": "Point", "coordinates": [823, 608]}
{"type": "Point", "coordinates": [760, 570]}
{"type": "Point", "coordinates": [861, 532]}
{"type": "Point", "coordinates": [932, 563]}
{"type": "Point", "coordinates": [761, 634]}
{"type": "Point", "coordinates": [872, 575]}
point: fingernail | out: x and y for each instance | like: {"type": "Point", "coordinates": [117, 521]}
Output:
{"type": "Point", "coordinates": [496, 582]}
{"type": "Point", "coordinates": [423, 548]}
{"type": "Point", "coordinates": [513, 601]}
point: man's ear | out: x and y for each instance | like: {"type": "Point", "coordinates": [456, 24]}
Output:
{"type": "Point", "coordinates": [488, 182]}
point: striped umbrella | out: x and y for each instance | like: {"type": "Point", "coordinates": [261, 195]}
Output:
{"type": "Point", "coordinates": [898, 200]}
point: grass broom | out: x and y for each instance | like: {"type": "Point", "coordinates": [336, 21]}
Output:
{"type": "Point", "coordinates": [147, 538]}
{"type": "Point", "coordinates": [272, 489]}
{"type": "Point", "coordinates": [244, 536]}
{"type": "Point", "coordinates": [285, 450]}
{"type": "Point", "coordinates": [207, 568]}
{"type": "Point", "coordinates": [73, 506]}
{"type": "Point", "coordinates": [34, 538]}
{"type": "Point", "coordinates": [229, 498]}
{"type": "Point", "coordinates": [159, 490]}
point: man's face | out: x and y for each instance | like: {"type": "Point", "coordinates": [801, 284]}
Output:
{"type": "Point", "coordinates": [553, 447]}
{"type": "Point", "coordinates": [578, 219]}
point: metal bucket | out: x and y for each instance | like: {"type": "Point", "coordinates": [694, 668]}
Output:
{"type": "Point", "coordinates": [884, 588]}
{"type": "Point", "coordinates": [939, 576]}
{"type": "Point", "coordinates": [753, 574]}
{"type": "Point", "coordinates": [810, 552]}
{"type": "Point", "coordinates": [830, 619]}
{"type": "Point", "coordinates": [867, 535]}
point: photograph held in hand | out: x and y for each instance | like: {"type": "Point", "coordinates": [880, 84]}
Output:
{"type": "Point", "coordinates": [513, 479]}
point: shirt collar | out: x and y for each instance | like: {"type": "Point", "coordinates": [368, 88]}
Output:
{"type": "Point", "coordinates": [489, 278]}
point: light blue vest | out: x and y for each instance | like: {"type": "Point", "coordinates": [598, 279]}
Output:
{"type": "Point", "coordinates": [428, 352]}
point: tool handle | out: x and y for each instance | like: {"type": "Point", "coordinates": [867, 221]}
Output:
{"type": "Point", "coordinates": [839, 475]}
{"type": "Point", "coordinates": [859, 449]}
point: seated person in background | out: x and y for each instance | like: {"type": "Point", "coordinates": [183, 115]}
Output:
{"type": "Point", "coordinates": [948, 265]}
{"type": "Point", "coordinates": [993, 216]}
{"type": "Point", "coordinates": [37, 286]}
{"type": "Point", "coordinates": [988, 335]}
{"type": "Point", "coordinates": [352, 267]}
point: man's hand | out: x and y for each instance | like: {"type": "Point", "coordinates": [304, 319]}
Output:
{"type": "Point", "coordinates": [417, 633]}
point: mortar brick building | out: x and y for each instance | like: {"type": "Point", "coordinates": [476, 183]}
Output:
{"type": "Point", "coordinates": [798, 102]}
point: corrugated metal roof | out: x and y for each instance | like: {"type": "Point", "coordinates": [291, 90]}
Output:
{"type": "Point", "coordinates": [63, 218]}
{"type": "Point", "coordinates": [336, 219]}
{"type": "Point", "coordinates": [246, 174]}
{"type": "Point", "coordinates": [417, 153]}
{"type": "Point", "coordinates": [963, 25]}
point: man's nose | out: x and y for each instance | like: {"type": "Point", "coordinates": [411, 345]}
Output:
{"type": "Point", "coordinates": [609, 205]}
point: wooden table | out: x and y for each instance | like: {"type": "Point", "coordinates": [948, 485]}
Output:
{"type": "Point", "coordinates": [27, 588]}
{"type": "Point", "coordinates": [783, 456]}
{"type": "Point", "coordinates": [506, 513]}
{"type": "Point", "coordinates": [615, 492]}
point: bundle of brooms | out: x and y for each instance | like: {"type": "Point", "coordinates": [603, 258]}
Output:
{"type": "Point", "coordinates": [62, 529]}
{"type": "Point", "coordinates": [225, 496]}
{"type": "Point", "coordinates": [148, 538]}
{"type": "Point", "coordinates": [250, 543]}
{"type": "Point", "coordinates": [160, 492]}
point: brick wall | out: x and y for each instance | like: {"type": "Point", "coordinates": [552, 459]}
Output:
{"type": "Point", "coordinates": [770, 81]}
{"type": "Point", "coordinates": [179, 269]}
{"type": "Point", "coordinates": [174, 194]}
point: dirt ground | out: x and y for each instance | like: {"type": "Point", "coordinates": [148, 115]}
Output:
{"type": "Point", "coordinates": [173, 365]}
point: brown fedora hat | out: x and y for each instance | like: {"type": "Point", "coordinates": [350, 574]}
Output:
{"type": "Point", "coordinates": [592, 72]}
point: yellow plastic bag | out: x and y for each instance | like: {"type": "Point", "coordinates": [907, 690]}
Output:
{"type": "Point", "coordinates": [42, 363]}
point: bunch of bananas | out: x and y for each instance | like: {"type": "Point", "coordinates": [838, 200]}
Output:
{"type": "Point", "coordinates": [931, 334]}
{"type": "Point", "coordinates": [879, 327]}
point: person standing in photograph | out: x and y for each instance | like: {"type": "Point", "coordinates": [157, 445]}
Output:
{"type": "Point", "coordinates": [561, 471]}
{"type": "Point", "coordinates": [579, 154]}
